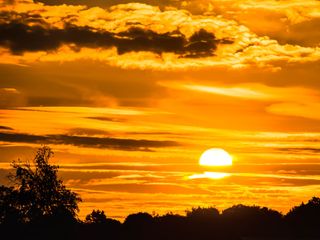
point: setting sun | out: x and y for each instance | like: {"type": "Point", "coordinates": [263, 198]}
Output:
{"type": "Point", "coordinates": [215, 157]}
{"type": "Point", "coordinates": [158, 106]}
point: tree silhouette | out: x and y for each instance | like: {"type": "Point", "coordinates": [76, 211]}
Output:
{"type": "Point", "coordinates": [139, 226]}
{"type": "Point", "coordinates": [252, 220]}
{"type": "Point", "coordinates": [96, 217]}
{"type": "Point", "coordinates": [37, 192]}
{"type": "Point", "coordinates": [201, 213]}
{"type": "Point", "coordinates": [39, 206]}
{"type": "Point", "coordinates": [9, 213]}
{"type": "Point", "coordinates": [304, 220]}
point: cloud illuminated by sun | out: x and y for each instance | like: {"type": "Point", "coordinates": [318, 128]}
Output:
{"type": "Point", "coordinates": [210, 175]}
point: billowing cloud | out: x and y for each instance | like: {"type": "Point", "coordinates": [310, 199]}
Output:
{"type": "Point", "coordinates": [137, 36]}
{"type": "Point", "coordinates": [20, 37]}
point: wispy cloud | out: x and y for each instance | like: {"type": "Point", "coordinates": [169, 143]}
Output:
{"type": "Point", "coordinates": [6, 128]}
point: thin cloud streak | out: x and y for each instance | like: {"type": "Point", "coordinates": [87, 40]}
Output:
{"type": "Point", "coordinates": [91, 142]}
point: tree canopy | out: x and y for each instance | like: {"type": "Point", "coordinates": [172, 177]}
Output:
{"type": "Point", "coordinates": [96, 217]}
{"type": "Point", "coordinates": [37, 192]}
{"type": "Point", "coordinates": [37, 205]}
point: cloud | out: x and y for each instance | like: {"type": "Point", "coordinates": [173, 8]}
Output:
{"type": "Point", "coordinates": [299, 109]}
{"type": "Point", "coordinates": [137, 35]}
{"type": "Point", "coordinates": [299, 150]}
{"type": "Point", "coordinates": [6, 128]}
{"type": "Point", "coordinates": [10, 97]}
{"type": "Point", "coordinates": [103, 3]}
{"type": "Point", "coordinates": [20, 37]}
{"type": "Point", "coordinates": [87, 132]}
{"type": "Point", "coordinates": [149, 188]}
{"type": "Point", "coordinates": [108, 119]}
{"type": "Point", "coordinates": [90, 142]}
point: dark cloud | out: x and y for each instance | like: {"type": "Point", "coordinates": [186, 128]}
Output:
{"type": "Point", "coordinates": [19, 37]}
{"type": "Point", "coordinates": [276, 180]}
{"type": "Point", "coordinates": [86, 132]}
{"type": "Point", "coordinates": [6, 128]}
{"type": "Point", "coordinates": [91, 142]}
{"type": "Point", "coordinates": [300, 149]}
{"type": "Point", "coordinates": [107, 119]}
{"type": "Point", "coordinates": [56, 101]}
{"type": "Point", "coordinates": [108, 3]}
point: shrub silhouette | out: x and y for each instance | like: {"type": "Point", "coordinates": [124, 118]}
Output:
{"type": "Point", "coordinates": [37, 193]}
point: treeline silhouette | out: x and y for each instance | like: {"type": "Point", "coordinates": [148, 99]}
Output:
{"type": "Point", "coordinates": [39, 206]}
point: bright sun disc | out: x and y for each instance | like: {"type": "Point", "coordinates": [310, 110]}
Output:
{"type": "Point", "coordinates": [215, 157]}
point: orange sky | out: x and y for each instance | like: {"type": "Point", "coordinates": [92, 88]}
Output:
{"type": "Point", "coordinates": [129, 94]}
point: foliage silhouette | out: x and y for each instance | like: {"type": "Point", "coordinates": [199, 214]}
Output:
{"type": "Point", "coordinates": [9, 213]}
{"type": "Point", "coordinates": [253, 220]}
{"type": "Point", "coordinates": [97, 224]}
{"type": "Point", "coordinates": [39, 206]}
{"type": "Point", "coordinates": [37, 194]}
{"type": "Point", "coordinates": [201, 213]}
{"type": "Point", "coordinates": [139, 226]}
{"type": "Point", "coordinates": [96, 217]}
{"type": "Point", "coordinates": [305, 218]}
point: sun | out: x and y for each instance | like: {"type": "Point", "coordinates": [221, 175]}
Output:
{"type": "Point", "coordinates": [215, 157]}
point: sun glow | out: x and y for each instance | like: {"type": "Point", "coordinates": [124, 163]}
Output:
{"type": "Point", "coordinates": [215, 157]}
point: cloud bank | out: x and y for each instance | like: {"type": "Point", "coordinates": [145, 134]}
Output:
{"type": "Point", "coordinates": [20, 37]}
{"type": "Point", "coordinates": [136, 35]}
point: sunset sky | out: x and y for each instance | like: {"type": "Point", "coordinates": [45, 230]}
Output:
{"type": "Point", "coordinates": [130, 94]}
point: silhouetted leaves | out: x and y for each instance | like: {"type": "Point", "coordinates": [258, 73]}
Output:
{"type": "Point", "coordinates": [200, 214]}
{"type": "Point", "coordinates": [252, 220]}
{"type": "Point", "coordinates": [96, 217]}
{"type": "Point", "coordinates": [38, 194]}
{"type": "Point", "coordinates": [39, 206]}
{"type": "Point", "coordinates": [305, 219]}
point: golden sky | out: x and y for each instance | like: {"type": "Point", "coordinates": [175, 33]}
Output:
{"type": "Point", "coordinates": [129, 94]}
